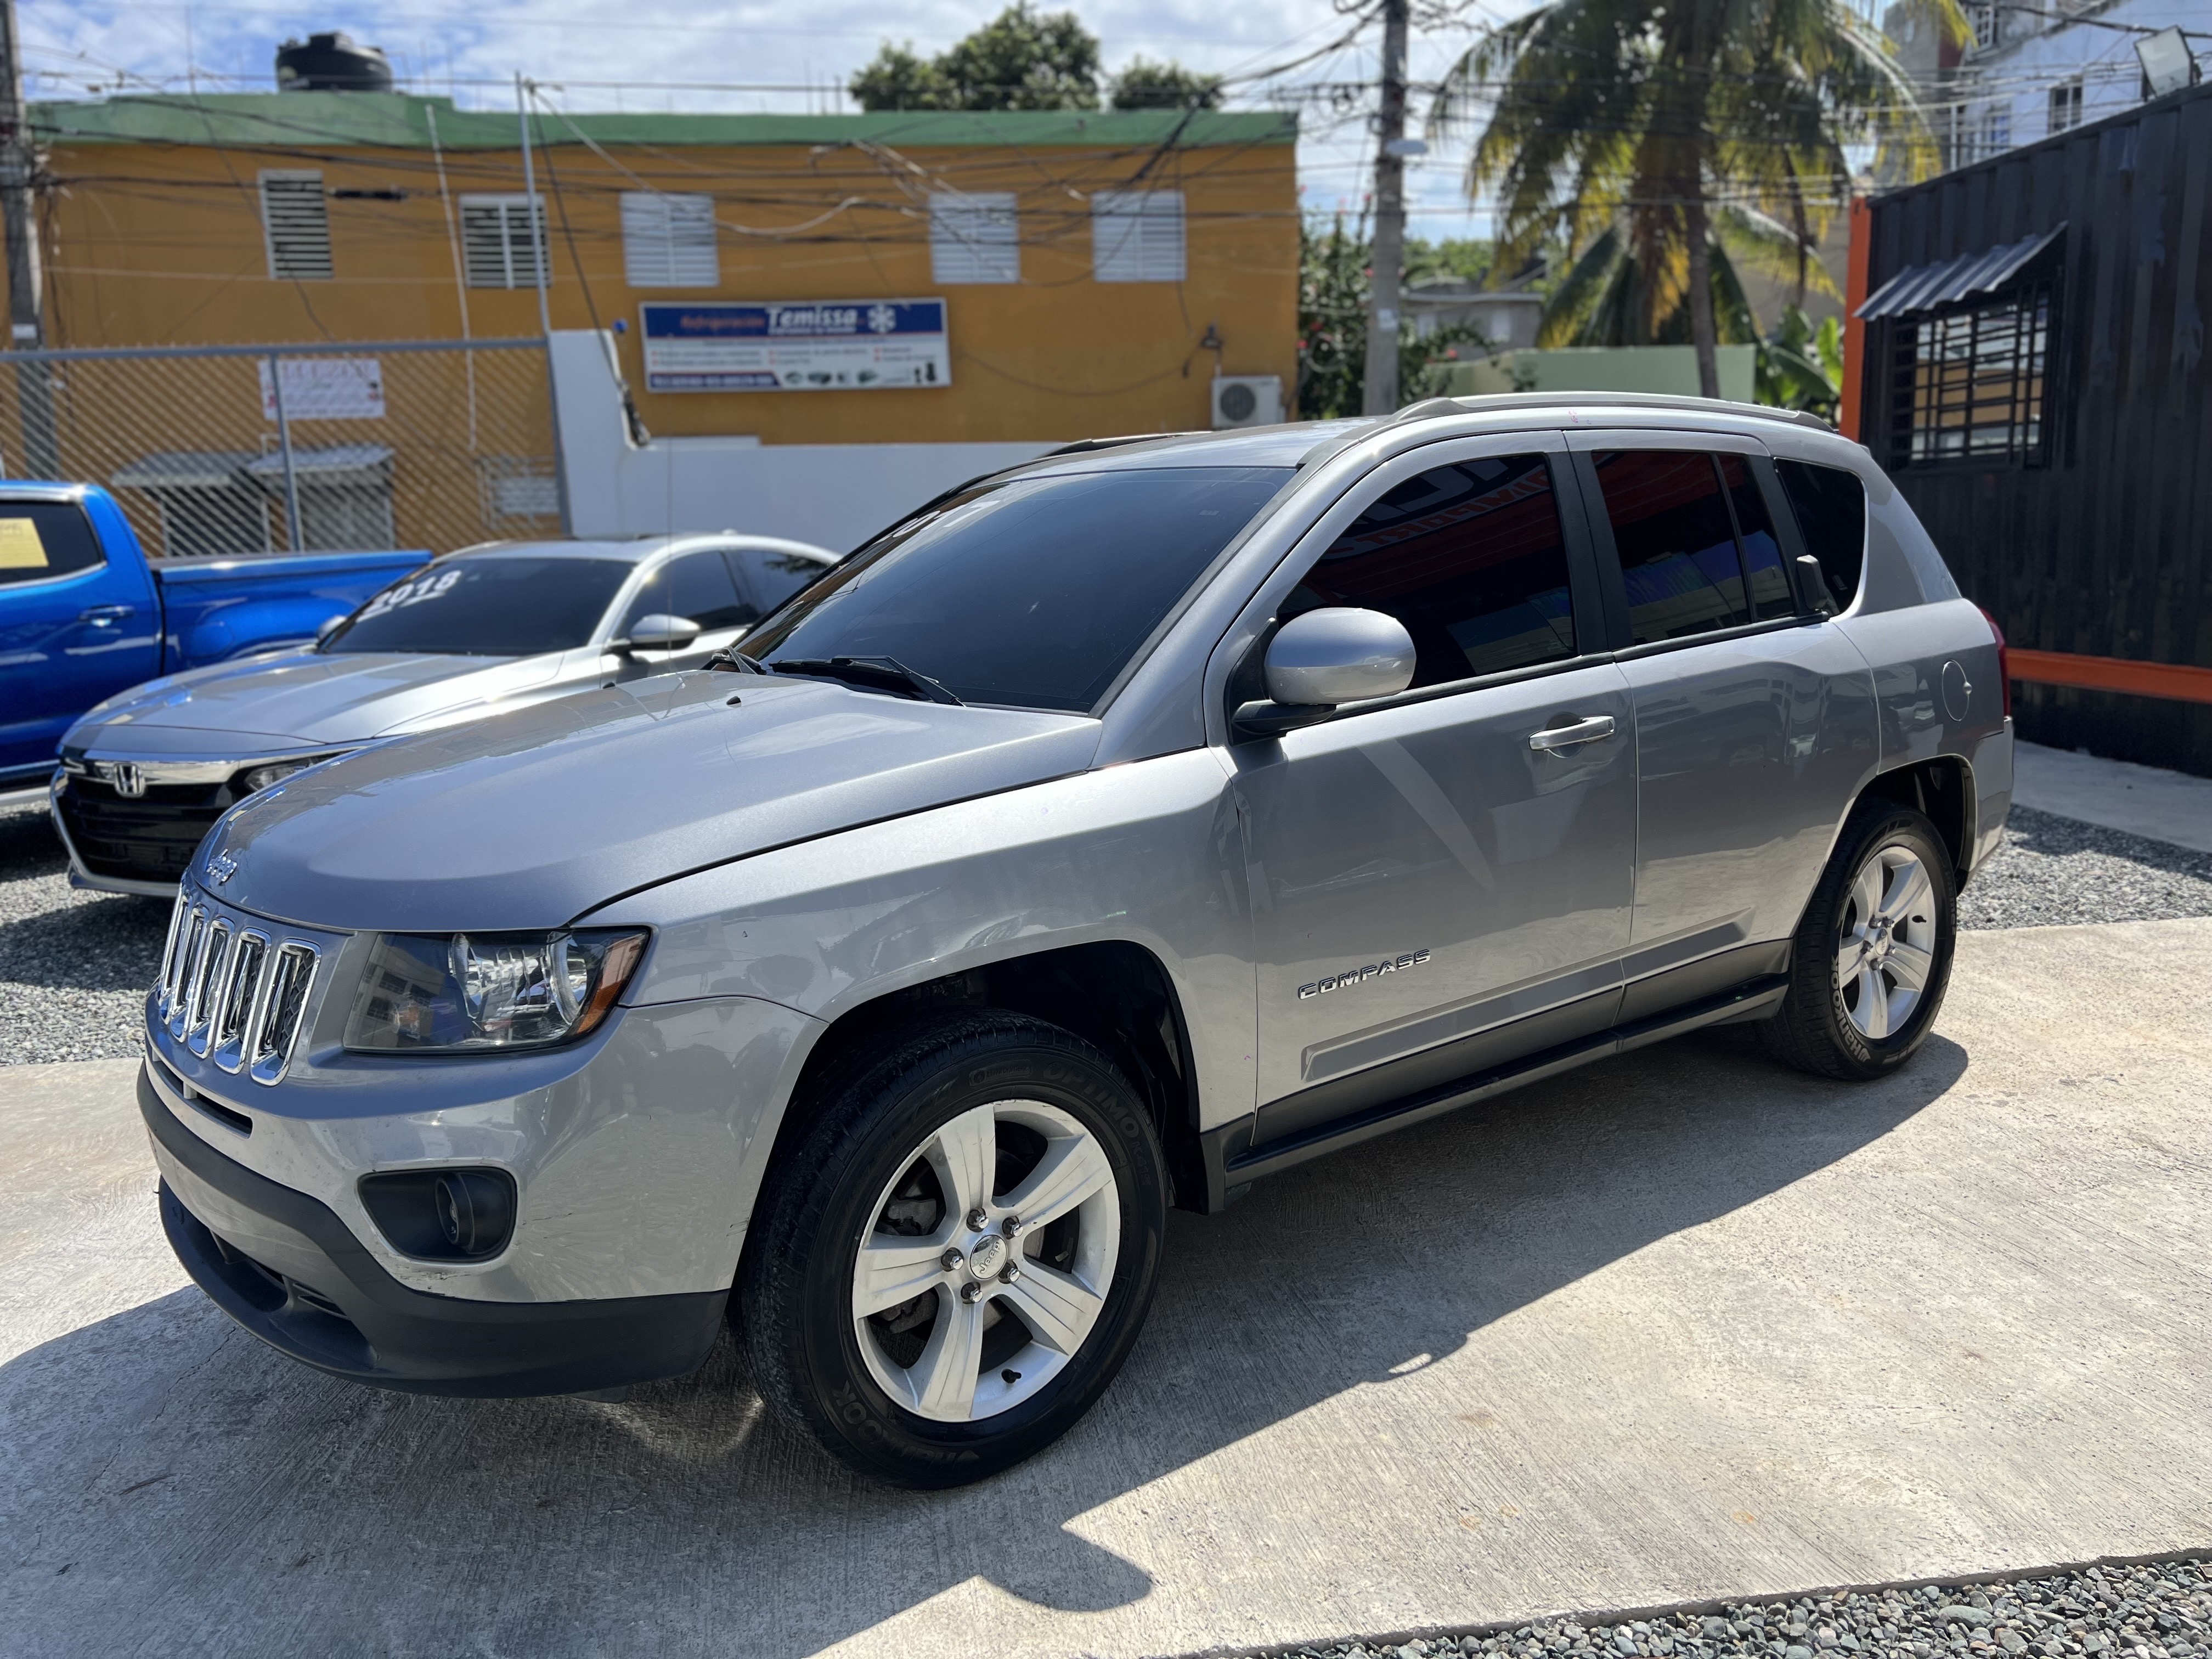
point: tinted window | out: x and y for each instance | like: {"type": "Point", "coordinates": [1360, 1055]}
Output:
{"type": "Point", "coordinates": [1670, 524]}
{"type": "Point", "coordinates": [488, 607]}
{"type": "Point", "coordinates": [1830, 507]}
{"type": "Point", "coordinates": [1770, 594]}
{"type": "Point", "coordinates": [1469, 557]}
{"type": "Point", "coordinates": [43, 540]}
{"type": "Point", "coordinates": [772, 577]}
{"type": "Point", "coordinates": [1035, 591]}
{"type": "Point", "coordinates": [697, 585]}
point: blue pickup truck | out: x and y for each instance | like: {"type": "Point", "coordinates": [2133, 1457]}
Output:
{"type": "Point", "coordinates": [83, 614]}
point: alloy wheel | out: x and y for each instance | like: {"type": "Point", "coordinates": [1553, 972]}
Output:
{"type": "Point", "coordinates": [1886, 948]}
{"type": "Point", "coordinates": [988, 1261]}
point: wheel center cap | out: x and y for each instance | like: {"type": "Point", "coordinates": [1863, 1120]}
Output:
{"type": "Point", "coordinates": [988, 1256]}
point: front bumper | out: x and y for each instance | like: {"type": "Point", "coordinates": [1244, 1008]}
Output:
{"type": "Point", "coordinates": [282, 1265]}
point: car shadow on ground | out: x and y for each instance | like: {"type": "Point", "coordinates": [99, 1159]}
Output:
{"type": "Point", "coordinates": [163, 1471]}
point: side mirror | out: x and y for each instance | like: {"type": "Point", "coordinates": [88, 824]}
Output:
{"type": "Point", "coordinates": [330, 625]}
{"type": "Point", "coordinates": [657, 633]}
{"type": "Point", "coordinates": [1813, 585]}
{"type": "Point", "coordinates": [1326, 658]}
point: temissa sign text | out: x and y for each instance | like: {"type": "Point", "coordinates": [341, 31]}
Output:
{"type": "Point", "coordinates": [796, 345]}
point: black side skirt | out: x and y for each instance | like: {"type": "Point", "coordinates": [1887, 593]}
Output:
{"type": "Point", "coordinates": [1233, 1162]}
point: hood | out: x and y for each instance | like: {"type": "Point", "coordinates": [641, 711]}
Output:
{"type": "Point", "coordinates": [294, 700]}
{"type": "Point", "coordinates": [532, 817]}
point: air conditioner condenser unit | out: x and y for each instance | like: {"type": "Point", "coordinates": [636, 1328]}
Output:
{"type": "Point", "coordinates": [1247, 400]}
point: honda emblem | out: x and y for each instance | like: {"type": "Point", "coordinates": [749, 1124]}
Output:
{"type": "Point", "coordinates": [128, 778]}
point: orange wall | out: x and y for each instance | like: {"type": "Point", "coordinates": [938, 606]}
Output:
{"type": "Point", "coordinates": [154, 244]}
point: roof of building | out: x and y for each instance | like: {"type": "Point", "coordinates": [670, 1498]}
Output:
{"type": "Point", "coordinates": [408, 120]}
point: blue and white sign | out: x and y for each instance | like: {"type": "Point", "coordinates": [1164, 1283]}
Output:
{"type": "Point", "coordinates": [797, 345]}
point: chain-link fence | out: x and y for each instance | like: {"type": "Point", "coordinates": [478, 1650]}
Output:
{"type": "Point", "coordinates": [219, 451]}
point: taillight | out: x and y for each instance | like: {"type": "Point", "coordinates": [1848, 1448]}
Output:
{"type": "Point", "coordinates": [2004, 662]}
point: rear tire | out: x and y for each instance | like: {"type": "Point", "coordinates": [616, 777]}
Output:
{"type": "Point", "coordinates": [949, 1267]}
{"type": "Point", "coordinates": [1872, 956]}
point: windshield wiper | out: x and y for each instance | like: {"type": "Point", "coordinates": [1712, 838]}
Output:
{"type": "Point", "coordinates": [868, 674]}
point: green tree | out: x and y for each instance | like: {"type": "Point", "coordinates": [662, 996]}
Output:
{"type": "Point", "coordinates": [1801, 367]}
{"type": "Point", "coordinates": [1143, 84]}
{"type": "Point", "coordinates": [1644, 133]}
{"type": "Point", "coordinates": [1335, 268]}
{"type": "Point", "coordinates": [1021, 59]}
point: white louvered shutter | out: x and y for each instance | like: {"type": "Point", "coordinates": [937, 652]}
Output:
{"type": "Point", "coordinates": [1137, 236]}
{"type": "Point", "coordinates": [498, 247]}
{"type": "Point", "coordinates": [974, 239]}
{"type": "Point", "coordinates": [668, 242]}
{"type": "Point", "coordinates": [295, 223]}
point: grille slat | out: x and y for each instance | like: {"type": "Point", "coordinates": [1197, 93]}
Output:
{"type": "Point", "coordinates": [240, 999]}
{"type": "Point", "coordinates": [207, 986]}
{"type": "Point", "coordinates": [233, 993]}
{"type": "Point", "coordinates": [190, 954]}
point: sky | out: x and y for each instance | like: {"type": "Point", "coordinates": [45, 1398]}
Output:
{"type": "Point", "coordinates": [748, 54]}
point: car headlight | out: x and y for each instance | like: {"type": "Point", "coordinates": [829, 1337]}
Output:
{"type": "Point", "coordinates": [261, 777]}
{"type": "Point", "coordinates": [447, 993]}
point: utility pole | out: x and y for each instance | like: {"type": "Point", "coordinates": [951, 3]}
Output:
{"type": "Point", "coordinates": [1392, 147]}
{"type": "Point", "coordinates": [27, 332]}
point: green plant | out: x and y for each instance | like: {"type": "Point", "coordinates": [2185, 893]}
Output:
{"type": "Point", "coordinates": [1802, 366]}
{"type": "Point", "coordinates": [1335, 269]}
{"type": "Point", "coordinates": [1634, 131]}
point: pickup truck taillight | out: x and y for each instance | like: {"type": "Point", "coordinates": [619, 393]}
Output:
{"type": "Point", "coordinates": [2004, 661]}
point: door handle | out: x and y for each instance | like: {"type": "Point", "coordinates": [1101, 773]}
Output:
{"type": "Point", "coordinates": [1597, 726]}
{"type": "Point", "coordinates": [106, 613]}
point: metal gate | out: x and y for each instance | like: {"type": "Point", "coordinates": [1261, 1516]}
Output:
{"type": "Point", "coordinates": [215, 451]}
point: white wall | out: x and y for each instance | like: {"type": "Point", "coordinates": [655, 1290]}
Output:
{"type": "Point", "coordinates": [2018, 75]}
{"type": "Point", "coordinates": [835, 495]}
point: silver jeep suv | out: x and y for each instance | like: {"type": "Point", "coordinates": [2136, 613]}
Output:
{"type": "Point", "coordinates": [1113, 832]}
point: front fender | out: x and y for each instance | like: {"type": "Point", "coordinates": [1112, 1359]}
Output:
{"type": "Point", "coordinates": [1147, 853]}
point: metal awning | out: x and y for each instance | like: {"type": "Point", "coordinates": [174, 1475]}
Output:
{"type": "Point", "coordinates": [1923, 287]}
{"type": "Point", "coordinates": [183, 469]}
{"type": "Point", "coordinates": [339, 463]}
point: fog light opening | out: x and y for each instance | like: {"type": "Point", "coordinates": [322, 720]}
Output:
{"type": "Point", "coordinates": [443, 1215]}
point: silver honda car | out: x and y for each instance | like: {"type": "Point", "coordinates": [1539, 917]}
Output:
{"type": "Point", "coordinates": [1113, 832]}
{"type": "Point", "coordinates": [490, 629]}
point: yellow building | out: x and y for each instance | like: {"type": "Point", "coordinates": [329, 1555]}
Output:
{"type": "Point", "coordinates": [1096, 270]}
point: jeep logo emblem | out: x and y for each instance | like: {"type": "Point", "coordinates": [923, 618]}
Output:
{"type": "Point", "coordinates": [222, 867]}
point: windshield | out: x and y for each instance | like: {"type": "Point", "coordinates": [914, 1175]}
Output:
{"type": "Point", "coordinates": [501, 607]}
{"type": "Point", "coordinates": [1035, 593]}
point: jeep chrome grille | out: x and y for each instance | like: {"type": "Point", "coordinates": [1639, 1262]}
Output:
{"type": "Point", "coordinates": [233, 993]}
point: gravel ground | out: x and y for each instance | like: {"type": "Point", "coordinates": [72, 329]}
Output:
{"type": "Point", "coordinates": [73, 966]}
{"type": "Point", "coordinates": [2162, 1612]}
{"type": "Point", "coordinates": [2053, 872]}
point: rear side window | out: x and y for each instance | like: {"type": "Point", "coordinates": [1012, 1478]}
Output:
{"type": "Point", "coordinates": [772, 577]}
{"type": "Point", "coordinates": [1829, 504]}
{"type": "Point", "coordinates": [1677, 545]}
{"type": "Point", "coordinates": [1469, 557]}
{"type": "Point", "coordinates": [697, 586]}
{"type": "Point", "coordinates": [41, 540]}
{"type": "Point", "coordinates": [1763, 574]}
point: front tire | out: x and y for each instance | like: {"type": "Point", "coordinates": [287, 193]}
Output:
{"type": "Point", "coordinates": [953, 1262]}
{"type": "Point", "coordinates": [1873, 953]}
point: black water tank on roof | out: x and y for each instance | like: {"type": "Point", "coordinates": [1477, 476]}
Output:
{"type": "Point", "coordinates": [331, 62]}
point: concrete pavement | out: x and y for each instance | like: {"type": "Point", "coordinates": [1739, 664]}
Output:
{"type": "Point", "coordinates": [2142, 801]}
{"type": "Point", "coordinates": [1677, 1327]}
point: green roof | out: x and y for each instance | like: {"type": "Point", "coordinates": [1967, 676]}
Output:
{"type": "Point", "coordinates": [385, 119]}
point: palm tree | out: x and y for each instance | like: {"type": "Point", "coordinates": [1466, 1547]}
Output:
{"type": "Point", "coordinates": [1642, 133]}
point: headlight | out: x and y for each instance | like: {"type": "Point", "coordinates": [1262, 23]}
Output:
{"type": "Point", "coordinates": [262, 777]}
{"type": "Point", "coordinates": [448, 992]}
